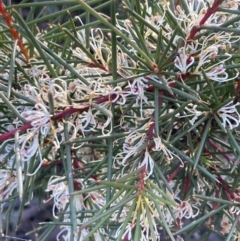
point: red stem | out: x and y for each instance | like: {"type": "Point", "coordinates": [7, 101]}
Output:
{"type": "Point", "coordinates": [11, 133]}
{"type": "Point", "coordinates": [218, 148]}
{"type": "Point", "coordinates": [13, 31]}
{"type": "Point", "coordinates": [150, 132]}
{"type": "Point", "coordinates": [210, 11]}
{"type": "Point", "coordinates": [174, 173]}
{"type": "Point", "coordinates": [215, 204]}
{"type": "Point", "coordinates": [58, 116]}
{"type": "Point", "coordinates": [187, 185]}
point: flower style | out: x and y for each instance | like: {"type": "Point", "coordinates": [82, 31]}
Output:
{"type": "Point", "coordinates": [229, 115]}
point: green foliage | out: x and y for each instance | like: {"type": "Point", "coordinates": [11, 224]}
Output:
{"type": "Point", "coordinates": [130, 126]}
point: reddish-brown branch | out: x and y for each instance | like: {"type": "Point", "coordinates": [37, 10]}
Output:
{"type": "Point", "coordinates": [28, 125]}
{"type": "Point", "coordinates": [209, 12]}
{"type": "Point", "coordinates": [226, 188]}
{"type": "Point", "coordinates": [150, 131]}
{"type": "Point", "coordinates": [69, 111]}
{"type": "Point", "coordinates": [219, 149]}
{"type": "Point", "coordinates": [58, 116]}
{"type": "Point", "coordinates": [187, 185]}
{"type": "Point", "coordinates": [174, 173]}
{"type": "Point", "coordinates": [11, 133]}
{"type": "Point", "coordinates": [50, 164]}
{"type": "Point", "coordinates": [215, 204]}
{"type": "Point", "coordinates": [13, 31]}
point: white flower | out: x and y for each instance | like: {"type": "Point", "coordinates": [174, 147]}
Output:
{"type": "Point", "coordinates": [86, 121]}
{"type": "Point", "coordinates": [128, 231]}
{"type": "Point", "coordinates": [60, 193]}
{"type": "Point", "coordinates": [137, 88]}
{"type": "Point", "coordinates": [81, 33]}
{"type": "Point", "coordinates": [183, 61]}
{"type": "Point", "coordinates": [155, 20]}
{"type": "Point", "coordinates": [98, 47]}
{"type": "Point", "coordinates": [235, 210]}
{"type": "Point", "coordinates": [219, 74]}
{"type": "Point", "coordinates": [58, 89]}
{"type": "Point", "coordinates": [130, 149]}
{"type": "Point", "coordinates": [31, 92]}
{"type": "Point", "coordinates": [29, 143]}
{"type": "Point", "coordinates": [38, 117]}
{"type": "Point", "coordinates": [77, 52]}
{"type": "Point", "coordinates": [8, 183]}
{"type": "Point", "coordinates": [169, 155]}
{"type": "Point", "coordinates": [147, 163]}
{"type": "Point", "coordinates": [229, 115]}
{"type": "Point", "coordinates": [225, 224]}
{"type": "Point", "coordinates": [79, 90]}
{"type": "Point", "coordinates": [231, 4]}
{"type": "Point", "coordinates": [192, 112]}
{"type": "Point", "coordinates": [124, 63]}
{"type": "Point", "coordinates": [185, 210]}
{"type": "Point", "coordinates": [205, 56]}
{"type": "Point", "coordinates": [97, 198]}
{"type": "Point", "coordinates": [38, 71]}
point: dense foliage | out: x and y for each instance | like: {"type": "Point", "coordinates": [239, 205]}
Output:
{"type": "Point", "coordinates": [130, 126]}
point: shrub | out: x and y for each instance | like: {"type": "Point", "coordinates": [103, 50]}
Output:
{"type": "Point", "coordinates": [131, 126]}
